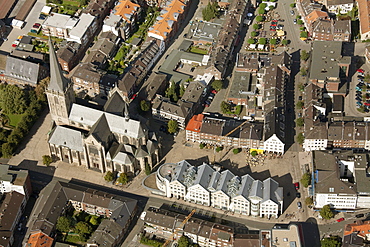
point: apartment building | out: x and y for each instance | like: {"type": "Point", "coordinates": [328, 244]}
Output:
{"type": "Point", "coordinates": [220, 189]}
{"type": "Point", "coordinates": [330, 30]}
{"type": "Point", "coordinates": [84, 30]}
{"type": "Point", "coordinates": [339, 6]}
{"type": "Point", "coordinates": [364, 17]}
{"type": "Point", "coordinates": [15, 180]}
{"type": "Point", "coordinates": [356, 234]}
{"type": "Point", "coordinates": [311, 11]}
{"type": "Point", "coordinates": [58, 25]}
{"type": "Point", "coordinates": [130, 13]}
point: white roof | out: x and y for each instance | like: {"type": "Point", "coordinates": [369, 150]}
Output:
{"type": "Point", "coordinates": [83, 24]}
{"type": "Point", "coordinates": [57, 20]}
{"type": "Point", "coordinates": [46, 10]}
{"type": "Point", "coordinates": [66, 137]}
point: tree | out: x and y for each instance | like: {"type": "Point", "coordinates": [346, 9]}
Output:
{"type": "Point", "coordinates": [303, 34]}
{"type": "Point", "coordinates": [236, 150]}
{"type": "Point", "coordinates": [13, 99]}
{"type": "Point", "coordinates": [256, 26]}
{"type": "Point", "coordinates": [259, 18]}
{"type": "Point", "coordinates": [300, 22]}
{"type": "Point", "coordinates": [64, 224]}
{"type": "Point", "coordinates": [238, 109]}
{"type": "Point", "coordinates": [285, 42]}
{"type": "Point", "coordinates": [183, 241]}
{"type": "Point", "coordinates": [182, 90]}
{"type": "Point", "coordinates": [303, 71]}
{"type": "Point", "coordinates": [147, 169]}
{"type": "Point", "coordinates": [298, 17]}
{"type": "Point", "coordinates": [122, 179]}
{"type": "Point", "coordinates": [301, 87]}
{"type": "Point", "coordinates": [210, 11]}
{"type": "Point", "coordinates": [94, 220]}
{"type": "Point", "coordinates": [218, 85]}
{"type": "Point", "coordinates": [261, 11]}
{"type": "Point", "coordinates": [309, 201]}
{"type": "Point", "coordinates": [202, 145]}
{"type": "Point", "coordinates": [273, 41]}
{"type": "Point", "coordinates": [292, 5]}
{"type": "Point", "coordinates": [144, 105]}
{"type": "Point", "coordinates": [254, 34]}
{"type": "Point", "coordinates": [262, 41]}
{"type": "Point", "coordinates": [225, 107]}
{"type": "Point", "coordinates": [109, 176]}
{"type": "Point", "coordinates": [326, 212]}
{"type": "Point", "coordinates": [251, 41]}
{"type": "Point", "coordinates": [305, 55]}
{"type": "Point", "coordinates": [306, 180]}
{"type": "Point", "coordinates": [218, 149]}
{"type": "Point", "coordinates": [83, 228]}
{"type": "Point", "coordinates": [47, 160]}
{"type": "Point", "coordinates": [254, 153]}
{"type": "Point", "coordinates": [300, 138]}
{"type": "Point", "coordinates": [332, 241]}
{"type": "Point", "coordinates": [299, 122]}
{"type": "Point", "coordinates": [299, 104]}
{"type": "Point", "coordinates": [262, 5]}
{"type": "Point", "coordinates": [172, 126]}
{"type": "Point", "coordinates": [7, 149]}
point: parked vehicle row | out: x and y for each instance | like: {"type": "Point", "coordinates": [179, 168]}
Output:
{"type": "Point", "coordinates": [208, 101]}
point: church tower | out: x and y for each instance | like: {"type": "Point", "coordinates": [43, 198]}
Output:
{"type": "Point", "coordinates": [59, 92]}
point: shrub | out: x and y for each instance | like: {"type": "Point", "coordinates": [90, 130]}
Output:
{"type": "Point", "coordinates": [109, 176]}
{"type": "Point", "coordinates": [47, 160]}
{"type": "Point", "coordinates": [236, 150]}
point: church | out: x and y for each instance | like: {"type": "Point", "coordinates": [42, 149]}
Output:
{"type": "Point", "coordinates": [104, 139]}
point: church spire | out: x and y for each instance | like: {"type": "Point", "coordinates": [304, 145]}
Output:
{"type": "Point", "coordinates": [127, 114]}
{"type": "Point", "coordinates": [57, 80]}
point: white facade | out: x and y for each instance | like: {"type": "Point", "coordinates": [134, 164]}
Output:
{"type": "Point", "coordinates": [269, 208]}
{"type": "Point", "coordinates": [315, 144]}
{"type": "Point", "coordinates": [199, 195]}
{"type": "Point", "coordinates": [177, 190]}
{"type": "Point", "coordinates": [220, 200]}
{"type": "Point", "coordinates": [7, 186]}
{"type": "Point", "coordinates": [240, 204]}
{"type": "Point", "coordinates": [336, 200]}
{"type": "Point", "coordinates": [340, 8]}
{"type": "Point", "coordinates": [274, 144]}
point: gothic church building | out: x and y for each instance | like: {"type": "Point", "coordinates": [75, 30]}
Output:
{"type": "Point", "coordinates": [102, 140]}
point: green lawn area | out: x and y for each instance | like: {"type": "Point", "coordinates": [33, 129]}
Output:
{"type": "Point", "coordinates": [14, 119]}
{"type": "Point", "coordinates": [73, 238]}
{"type": "Point", "coordinates": [197, 50]}
{"type": "Point", "coordinates": [71, 3]}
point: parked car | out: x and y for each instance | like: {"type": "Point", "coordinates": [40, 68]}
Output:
{"type": "Point", "coordinates": [295, 21]}
{"type": "Point", "coordinates": [361, 70]}
{"type": "Point", "coordinates": [207, 102]}
{"type": "Point", "coordinates": [300, 97]}
{"type": "Point", "coordinates": [33, 31]}
{"type": "Point", "coordinates": [359, 215]}
{"type": "Point", "coordinates": [299, 114]}
{"type": "Point", "coordinates": [296, 185]}
{"type": "Point", "coordinates": [214, 91]}
{"type": "Point", "coordinates": [42, 17]}
{"type": "Point", "coordinates": [299, 204]}
{"type": "Point", "coordinates": [340, 219]}
{"type": "Point", "coordinates": [292, 12]}
{"type": "Point", "coordinates": [298, 195]}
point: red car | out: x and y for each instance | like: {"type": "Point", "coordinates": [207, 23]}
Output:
{"type": "Point", "coordinates": [361, 70]}
{"type": "Point", "coordinates": [134, 96]}
{"type": "Point", "coordinates": [296, 185]}
{"type": "Point", "coordinates": [273, 25]}
{"type": "Point", "coordinates": [340, 219]}
{"type": "Point", "coordinates": [214, 91]}
{"type": "Point", "coordinates": [14, 45]}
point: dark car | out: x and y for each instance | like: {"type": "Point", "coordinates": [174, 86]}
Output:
{"type": "Point", "coordinates": [42, 17]}
{"type": "Point", "coordinates": [207, 102]}
{"type": "Point", "coordinates": [300, 97]}
{"type": "Point", "coordinates": [298, 195]}
{"type": "Point", "coordinates": [359, 215]}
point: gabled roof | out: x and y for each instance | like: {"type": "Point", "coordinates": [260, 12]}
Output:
{"type": "Point", "coordinates": [204, 174]}
{"type": "Point", "coordinates": [100, 130]}
{"type": "Point", "coordinates": [40, 240]}
{"type": "Point", "coordinates": [66, 137]}
{"type": "Point", "coordinates": [126, 9]}
{"type": "Point", "coordinates": [57, 80]}
{"type": "Point", "coordinates": [115, 104]}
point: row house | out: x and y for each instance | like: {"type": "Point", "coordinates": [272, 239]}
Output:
{"type": "Point", "coordinates": [130, 13]}
{"type": "Point", "coordinates": [227, 39]}
{"type": "Point", "coordinates": [15, 180]}
{"type": "Point", "coordinates": [330, 30]}
{"type": "Point", "coordinates": [132, 79]}
{"type": "Point", "coordinates": [224, 132]}
{"type": "Point", "coordinates": [364, 18]}
{"type": "Point", "coordinates": [118, 212]}
{"type": "Point", "coordinates": [168, 21]}
{"type": "Point", "coordinates": [99, 8]}
{"type": "Point", "coordinates": [310, 12]}
{"type": "Point", "coordinates": [69, 54]}
{"type": "Point", "coordinates": [205, 186]}
{"type": "Point", "coordinates": [338, 6]}
{"type": "Point", "coordinates": [204, 233]}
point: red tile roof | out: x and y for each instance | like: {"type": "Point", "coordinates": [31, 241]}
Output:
{"type": "Point", "coordinates": [195, 123]}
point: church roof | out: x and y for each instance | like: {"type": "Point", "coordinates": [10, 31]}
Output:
{"type": "Point", "coordinates": [115, 104]}
{"type": "Point", "coordinates": [57, 80]}
{"type": "Point", "coordinates": [100, 130]}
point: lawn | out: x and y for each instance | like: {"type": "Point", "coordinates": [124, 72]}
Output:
{"type": "Point", "coordinates": [14, 119]}
{"type": "Point", "coordinates": [73, 238]}
{"type": "Point", "coordinates": [71, 3]}
{"type": "Point", "coordinates": [197, 50]}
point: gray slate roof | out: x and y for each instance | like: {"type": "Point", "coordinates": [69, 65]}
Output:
{"type": "Point", "coordinates": [57, 80]}
{"type": "Point", "coordinates": [22, 70]}
{"type": "Point", "coordinates": [66, 137]}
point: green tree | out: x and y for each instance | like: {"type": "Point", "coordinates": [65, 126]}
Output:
{"type": "Point", "coordinates": [182, 90]}
{"type": "Point", "coordinates": [218, 149]}
{"type": "Point", "coordinates": [306, 179]}
{"type": "Point", "coordinates": [261, 11]}
{"type": "Point", "coordinates": [262, 41]}
{"type": "Point", "coordinates": [94, 220]}
{"type": "Point", "coordinates": [236, 150]}
{"type": "Point", "coordinates": [83, 228]}
{"type": "Point", "coordinates": [122, 179]}
{"type": "Point", "coordinates": [303, 34]}
{"type": "Point", "coordinates": [305, 55]}
{"type": "Point", "coordinates": [326, 212]}
{"type": "Point", "coordinates": [300, 104]}
{"type": "Point", "coordinates": [303, 71]}
{"type": "Point", "coordinates": [273, 41]}
{"type": "Point", "coordinates": [13, 99]}
{"type": "Point", "coordinates": [292, 5]}
{"type": "Point", "coordinates": [218, 85]}
{"type": "Point", "coordinates": [285, 42]}
{"type": "Point", "coordinates": [301, 87]}
{"type": "Point", "coordinates": [144, 105]}
{"type": "Point", "coordinates": [64, 224]}
{"type": "Point", "coordinates": [109, 176]}
{"type": "Point", "coordinates": [183, 241]}
{"type": "Point", "coordinates": [202, 145]}
{"type": "Point", "coordinates": [210, 11]}
{"type": "Point", "coordinates": [299, 122]}
{"type": "Point", "coordinates": [333, 241]}
{"type": "Point", "coordinates": [7, 149]}
{"type": "Point", "coordinates": [173, 126]}
{"type": "Point", "coordinates": [47, 160]}
{"type": "Point", "coordinates": [254, 34]}
{"type": "Point", "coordinates": [147, 169]}
{"type": "Point", "coordinates": [298, 17]}
{"type": "Point", "coordinates": [251, 41]}
{"type": "Point", "coordinates": [259, 18]}
{"type": "Point", "coordinates": [225, 107]}
{"type": "Point", "coordinates": [300, 138]}
{"type": "Point", "coordinates": [300, 22]}
{"type": "Point", "coordinates": [262, 5]}
{"type": "Point", "coordinates": [256, 26]}
{"type": "Point", "coordinates": [309, 201]}
{"type": "Point", "coordinates": [254, 153]}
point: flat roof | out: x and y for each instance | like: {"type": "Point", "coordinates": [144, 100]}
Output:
{"type": "Point", "coordinates": [243, 84]}
{"type": "Point", "coordinates": [57, 20]}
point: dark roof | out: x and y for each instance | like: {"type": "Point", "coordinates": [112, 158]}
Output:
{"type": "Point", "coordinates": [155, 81]}
{"type": "Point", "coordinates": [246, 240]}
{"type": "Point", "coordinates": [57, 80]}
{"type": "Point", "coordinates": [10, 207]}
{"type": "Point", "coordinates": [30, 56]}
{"type": "Point", "coordinates": [101, 131]}
{"type": "Point", "coordinates": [87, 73]}
{"type": "Point", "coordinates": [115, 104]}
{"type": "Point", "coordinates": [338, 103]}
